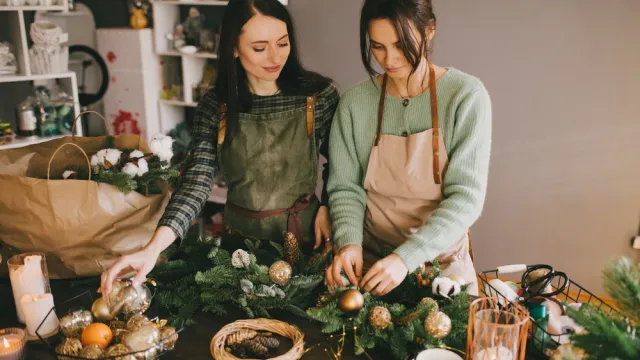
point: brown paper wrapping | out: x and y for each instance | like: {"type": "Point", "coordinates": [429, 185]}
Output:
{"type": "Point", "coordinates": [82, 226]}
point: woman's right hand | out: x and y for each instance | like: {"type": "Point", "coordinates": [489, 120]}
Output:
{"type": "Point", "coordinates": [142, 262]}
{"type": "Point", "coordinates": [349, 259]}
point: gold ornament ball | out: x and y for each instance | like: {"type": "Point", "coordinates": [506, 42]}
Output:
{"type": "Point", "coordinates": [351, 300]}
{"type": "Point", "coordinates": [433, 305]}
{"type": "Point", "coordinates": [438, 325]}
{"type": "Point", "coordinates": [91, 351]}
{"type": "Point", "coordinates": [119, 350]}
{"type": "Point", "coordinates": [136, 321]}
{"type": "Point", "coordinates": [379, 317]}
{"type": "Point", "coordinates": [69, 346]}
{"type": "Point", "coordinates": [142, 338]}
{"type": "Point", "coordinates": [100, 310]}
{"type": "Point", "coordinates": [169, 337]}
{"type": "Point", "coordinates": [280, 272]}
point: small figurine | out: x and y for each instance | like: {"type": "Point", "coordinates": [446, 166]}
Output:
{"type": "Point", "coordinates": [138, 18]}
{"type": "Point", "coordinates": [193, 26]}
{"type": "Point", "coordinates": [178, 37]}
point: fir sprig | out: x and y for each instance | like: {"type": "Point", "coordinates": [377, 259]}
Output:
{"type": "Point", "coordinates": [609, 335]}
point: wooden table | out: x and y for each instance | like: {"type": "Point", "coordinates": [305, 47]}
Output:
{"type": "Point", "coordinates": [194, 341]}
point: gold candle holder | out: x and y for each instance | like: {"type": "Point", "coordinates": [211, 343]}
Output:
{"type": "Point", "coordinates": [12, 343]}
{"type": "Point", "coordinates": [497, 332]}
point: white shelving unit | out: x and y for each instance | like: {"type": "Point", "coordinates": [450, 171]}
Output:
{"type": "Point", "coordinates": [18, 36]}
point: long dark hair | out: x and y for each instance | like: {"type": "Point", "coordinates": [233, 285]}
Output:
{"type": "Point", "coordinates": [231, 84]}
{"type": "Point", "coordinates": [402, 14]}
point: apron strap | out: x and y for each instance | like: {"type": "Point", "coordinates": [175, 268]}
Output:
{"type": "Point", "coordinates": [222, 124]}
{"type": "Point", "coordinates": [437, 177]}
{"type": "Point", "coordinates": [311, 103]}
{"type": "Point", "coordinates": [383, 93]}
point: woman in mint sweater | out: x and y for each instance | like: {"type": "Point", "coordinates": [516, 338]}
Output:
{"type": "Point", "coordinates": [410, 155]}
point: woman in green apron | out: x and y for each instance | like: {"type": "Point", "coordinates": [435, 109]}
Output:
{"type": "Point", "coordinates": [263, 125]}
{"type": "Point", "coordinates": [410, 155]}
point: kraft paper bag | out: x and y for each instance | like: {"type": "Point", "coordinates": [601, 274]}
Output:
{"type": "Point", "coordinates": [83, 226]}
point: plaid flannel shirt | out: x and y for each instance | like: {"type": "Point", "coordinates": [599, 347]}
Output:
{"type": "Point", "coordinates": [197, 180]}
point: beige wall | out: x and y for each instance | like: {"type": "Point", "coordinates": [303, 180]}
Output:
{"type": "Point", "coordinates": [564, 79]}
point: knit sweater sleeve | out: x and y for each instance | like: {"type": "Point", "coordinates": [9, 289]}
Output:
{"type": "Point", "coordinates": [347, 197]}
{"type": "Point", "coordinates": [464, 183]}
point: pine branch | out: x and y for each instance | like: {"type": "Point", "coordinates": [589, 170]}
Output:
{"type": "Point", "coordinates": [622, 282]}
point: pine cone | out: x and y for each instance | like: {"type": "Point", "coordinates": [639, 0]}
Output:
{"type": "Point", "coordinates": [291, 248]}
{"type": "Point", "coordinates": [239, 350]}
{"type": "Point", "coordinates": [240, 336]}
{"type": "Point", "coordinates": [268, 342]}
{"type": "Point", "coordinates": [255, 348]}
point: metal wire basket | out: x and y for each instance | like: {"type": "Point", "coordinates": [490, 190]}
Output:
{"type": "Point", "coordinates": [161, 346]}
{"type": "Point", "coordinates": [540, 341]}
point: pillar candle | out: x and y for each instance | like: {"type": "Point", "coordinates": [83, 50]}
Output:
{"type": "Point", "coordinates": [35, 308]}
{"type": "Point", "coordinates": [27, 279]}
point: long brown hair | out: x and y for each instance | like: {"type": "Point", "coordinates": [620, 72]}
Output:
{"type": "Point", "coordinates": [403, 14]}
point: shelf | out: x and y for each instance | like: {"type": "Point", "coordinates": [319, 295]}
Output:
{"type": "Point", "coordinates": [179, 103]}
{"type": "Point", "coordinates": [191, 2]}
{"type": "Point", "coordinates": [20, 142]}
{"type": "Point", "coordinates": [204, 55]}
{"type": "Point", "coordinates": [33, 8]}
{"type": "Point", "coordinates": [18, 78]}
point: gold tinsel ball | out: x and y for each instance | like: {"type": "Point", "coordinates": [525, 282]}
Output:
{"type": "Point", "coordinates": [100, 310]}
{"type": "Point", "coordinates": [433, 305]}
{"type": "Point", "coordinates": [438, 325]}
{"type": "Point", "coordinates": [91, 351]}
{"type": "Point", "coordinates": [69, 346]}
{"type": "Point", "coordinates": [280, 272]}
{"type": "Point", "coordinates": [169, 336]}
{"type": "Point", "coordinates": [351, 300]}
{"type": "Point", "coordinates": [119, 350]}
{"type": "Point", "coordinates": [136, 321]}
{"type": "Point", "coordinates": [73, 323]}
{"type": "Point", "coordinates": [379, 317]}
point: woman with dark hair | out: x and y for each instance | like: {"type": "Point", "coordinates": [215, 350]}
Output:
{"type": "Point", "coordinates": [410, 155]}
{"type": "Point", "coordinates": [263, 125]}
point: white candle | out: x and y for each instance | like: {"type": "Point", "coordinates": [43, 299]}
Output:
{"type": "Point", "coordinates": [11, 347]}
{"type": "Point", "coordinates": [495, 353]}
{"type": "Point", "coordinates": [36, 308]}
{"type": "Point", "coordinates": [27, 279]}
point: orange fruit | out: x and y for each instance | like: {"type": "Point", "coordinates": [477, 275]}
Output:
{"type": "Point", "coordinates": [97, 334]}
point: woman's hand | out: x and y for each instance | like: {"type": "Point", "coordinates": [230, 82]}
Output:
{"type": "Point", "coordinates": [322, 226]}
{"type": "Point", "coordinates": [349, 259]}
{"type": "Point", "coordinates": [142, 262]}
{"type": "Point", "coordinates": [385, 275]}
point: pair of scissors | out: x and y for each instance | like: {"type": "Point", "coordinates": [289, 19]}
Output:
{"type": "Point", "coordinates": [536, 287]}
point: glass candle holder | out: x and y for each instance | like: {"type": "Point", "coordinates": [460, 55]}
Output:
{"type": "Point", "coordinates": [495, 332]}
{"type": "Point", "coordinates": [28, 275]}
{"type": "Point", "coordinates": [12, 344]}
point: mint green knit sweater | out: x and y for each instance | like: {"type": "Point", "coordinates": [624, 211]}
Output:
{"type": "Point", "coordinates": [465, 118]}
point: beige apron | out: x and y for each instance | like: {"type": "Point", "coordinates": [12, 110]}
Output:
{"type": "Point", "coordinates": [404, 187]}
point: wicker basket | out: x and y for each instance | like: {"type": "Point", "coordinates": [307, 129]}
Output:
{"type": "Point", "coordinates": [275, 326]}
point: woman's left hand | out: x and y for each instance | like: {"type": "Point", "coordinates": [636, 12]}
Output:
{"type": "Point", "coordinates": [385, 275]}
{"type": "Point", "coordinates": [322, 226]}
